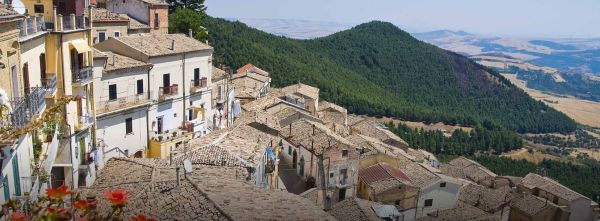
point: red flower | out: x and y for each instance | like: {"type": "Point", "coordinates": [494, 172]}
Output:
{"type": "Point", "coordinates": [141, 217]}
{"type": "Point", "coordinates": [117, 197]}
{"type": "Point", "coordinates": [84, 205]}
{"type": "Point", "coordinates": [18, 216]}
{"type": "Point", "coordinates": [59, 193]}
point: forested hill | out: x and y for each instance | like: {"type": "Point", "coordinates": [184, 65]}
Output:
{"type": "Point", "coordinates": [376, 68]}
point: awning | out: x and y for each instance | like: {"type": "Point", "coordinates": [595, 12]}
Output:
{"type": "Point", "coordinates": [81, 46]}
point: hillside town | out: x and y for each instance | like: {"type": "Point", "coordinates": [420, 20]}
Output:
{"type": "Point", "coordinates": [98, 95]}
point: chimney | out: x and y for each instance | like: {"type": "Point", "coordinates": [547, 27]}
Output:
{"type": "Point", "coordinates": [190, 33]}
{"type": "Point", "coordinates": [113, 59]}
{"type": "Point", "coordinates": [177, 175]}
{"type": "Point", "coordinates": [173, 44]}
{"type": "Point", "coordinates": [313, 127]}
{"type": "Point", "coordinates": [290, 130]}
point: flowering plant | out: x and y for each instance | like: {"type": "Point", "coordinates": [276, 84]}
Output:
{"type": "Point", "coordinates": [54, 207]}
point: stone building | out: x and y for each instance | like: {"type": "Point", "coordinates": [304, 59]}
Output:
{"type": "Point", "coordinates": [388, 185]}
{"type": "Point", "coordinates": [250, 83]}
{"type": "Point", "coordinates": [153, 13]}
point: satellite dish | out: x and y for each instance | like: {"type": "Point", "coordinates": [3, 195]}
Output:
{"type": "Point", "coordinates": [187, 166]}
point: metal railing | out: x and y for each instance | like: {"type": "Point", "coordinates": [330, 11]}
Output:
{"type": "Point", "coordinates": [49, 83]}
{"type": "Point", "coordinates": [82, 74]}
{"type": "Point", "coordinates": [198, 84]}
{"type": "Point", "coordinates": [169, 91]}
{"type": "Point", "coordinates": [122, 102]}
{"type": "Point", "coordinates": [23, 108]}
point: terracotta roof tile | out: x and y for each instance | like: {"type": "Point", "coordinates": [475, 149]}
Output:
{"type": "Point", "coordinates": [354, 209]}
{"type": "Point", "coordinates": [533, 180]}
{"type": "Point", "coordinates": [117, 62]}
{"type": "Point", "coordinates": [160, 44]}
{"type": "Point", "coordinates": [380, 171]}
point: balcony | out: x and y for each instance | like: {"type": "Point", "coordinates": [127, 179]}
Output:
{"type": "Point", "coordinates": [31, 26]}
{"type": "Point", "coordinates": [84, 122]}
{"type": "Point", "coordinates": [49, 84]}
{"type": "Point", "coordinates": [82, 76]}
{"type": "Point", "coordinates": [198, 85]}
{"type": "Point", "coordinates": [168, 92]}
{"type": "Point", "coordinates": [104, 107]}
{"type": "Point", "coordinates": [24, 108]}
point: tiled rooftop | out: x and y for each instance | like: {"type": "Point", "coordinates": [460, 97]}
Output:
{"type": "Point", "coordinates": [117, 62]}
{"type": "Point", "coordinates": [250, 68]}
{"type": "Point", "coordinates": [160, 44]}
{"type": "Point", "coordinates": [379, 172]}
{"type": "Point", "coordinates": [463, 212]}
{"type": "Point", "coordinates": [217, 73]}
{"type": "Point", "coordinates": [533, 180]}
{"type": "Point", "coordinates": [487, 199]}
{"type": "Point", "coordinates": [532, 205]}
{"type": "Point", "coordinates": [8, 13]}
{"type": "Point", "coordinates": [210, 154]}
{"type": "Point", "coordinates": [206, 194]}
{"type": "Point", "coordinates": [314, 135]}
{"type": "Point", "coordinates": [464, 168]}
{"type": "Point", "coordinates": [354, 209]}
{"type": "Point", "coordinates": [418, 175]}
{"type": "Point", "coordinates": [248, 84]}
{"type": "Point", "coordinates": [303, 89]}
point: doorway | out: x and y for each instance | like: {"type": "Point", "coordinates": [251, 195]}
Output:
{"type": "Point", "coordinates": [342, 195]}
{"type": "Point", "coordinates": [294, 159]}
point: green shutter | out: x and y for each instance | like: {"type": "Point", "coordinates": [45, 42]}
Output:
{"type": "Point", "coordinates": [6, 190]}
{"type": "Point", "coordinates": [16, 175]}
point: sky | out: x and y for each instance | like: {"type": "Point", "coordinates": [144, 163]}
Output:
{"type": "Point", "coordinates": [509, 18]}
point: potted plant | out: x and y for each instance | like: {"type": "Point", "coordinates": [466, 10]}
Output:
{"type": "Point", "coordinates": [48, 130]}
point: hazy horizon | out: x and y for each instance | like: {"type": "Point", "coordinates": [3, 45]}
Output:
{"type": "Point", "coordinates": [535, 18]}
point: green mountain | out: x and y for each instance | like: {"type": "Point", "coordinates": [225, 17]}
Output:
{"type": "Point", "coordinates": [376, 68]}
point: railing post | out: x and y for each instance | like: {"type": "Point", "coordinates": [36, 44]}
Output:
{"type": "Point", "coordinates": [59, 24]}
{"type": "Point", "coordinates": [34, 24]}
{"type": "Point", "coordinates": [72, 21]}
{"type": "Point", "coordinates": [24, 27]}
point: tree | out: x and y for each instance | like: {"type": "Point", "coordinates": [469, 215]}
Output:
{"type": "Point", "coordinates": [183, 19]}
{"type": "Point", "coordinates": [195, 5]}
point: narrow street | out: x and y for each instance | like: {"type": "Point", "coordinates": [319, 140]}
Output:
{"type": "Point", "coordinates": [292, 181]}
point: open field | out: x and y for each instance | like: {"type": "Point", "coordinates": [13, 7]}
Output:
{"type": "Point", "coordinates": [535, 157]}
{"type": "Point", "coordinates": [437, 126]}
{"type": "Point", "coordinates": [594, 154]}
{"type": "Point", "coordinates": [582, 111]}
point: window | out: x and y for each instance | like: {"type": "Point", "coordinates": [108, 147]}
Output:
{"type": "Point", "coordinates": [443, 184]}
{"type": "Point", "coordinates": [101, 36]}
{"type": "Point", "coordinates": [196, 73]}
{"type": "Point", "coordinates": [344, 153]}
{"type": "Point", "coordinates": [140, 86]}
{"type": "Point", "coordinates": [190, 114]}
{"type": "Point", "coordinates": [331, 175]}
{"type": "Point", "coordinates": [117, 34]}
{"type": "Point", "coordinates": [289, 150]}
{"type": "Point", "coordinates": [112, 92]}
{"type": "Point", "coordinates": [128, 126]}
{"type": "Point", "coordinates": [429, 202]}
{"type": "Point", "coordinates": [397, 202]}
{"type": "Point", "coordinates": [156, 20]}
{"type": "Point", "coordinates": [38, 8]}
